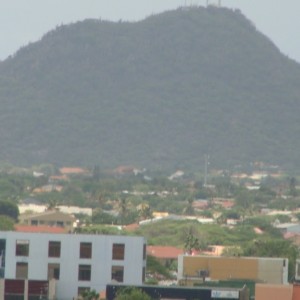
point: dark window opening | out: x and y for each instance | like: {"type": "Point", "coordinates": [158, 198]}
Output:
{"type": "Point", "coordinates": [84, 272]}
{"type": "Point", "coordinates": [22, 248]}
{"type": "Point", "coordinates": [117, 273]}
{"type": "Point", "coordinates": [54, 249]}
{"type": "Point", "coordinates": [85, 250]}
{"type": "Point", "coordinates": [118, 251]}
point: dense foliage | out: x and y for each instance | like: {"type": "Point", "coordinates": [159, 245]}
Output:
{"type": "Point", "coordinates": [159, 93]}
{"type": "Point", "coordinates": [132, 294]}
{"type": "Point", "coordinates": [9, 209]}
{"type": "Point", "coordinates": [6, 223]}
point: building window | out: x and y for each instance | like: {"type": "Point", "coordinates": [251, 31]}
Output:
{"type": "Point", "coordinates": [22, 248]}
{"type": "Point", "coordinates": [53, 271]}
{"type": "Point", "coordinates": [34, 222]}
{"type": "Point", "coordinates": [144, 252]}
{"type": "Point", "coordinates": [117, 273]}
{"type": "Point", "coordinates": [60, 223]}
{"type": "Point", "coordinates": [84, 272]}
{"type": "Point", "coordinates": [118, 251]}
{"type": "Point", "coordinates": [54, 249]}
{"type": "Point", "coordinates": [21, 270]}
{"type": "Point", "coordinates": [144, 274]}
{"type": "Point", "coordinates": [85, 250]}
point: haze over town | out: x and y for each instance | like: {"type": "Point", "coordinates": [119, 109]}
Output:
{"type": "Point", "coordinates": [160, 155]}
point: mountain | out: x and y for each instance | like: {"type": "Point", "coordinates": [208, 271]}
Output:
{"type": "Point", "coordinates": [158, 93]}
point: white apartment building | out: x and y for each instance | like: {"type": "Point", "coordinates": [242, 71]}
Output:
{"type": "Point", "coordinates": [75, 261]}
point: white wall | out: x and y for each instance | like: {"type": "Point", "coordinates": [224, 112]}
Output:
{"type": "Point", "coordinates": [69, 260]}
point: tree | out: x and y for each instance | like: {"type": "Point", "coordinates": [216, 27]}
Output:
{"type": "Point", "coordinates": [52, 204]}
{"type": "Point", "coordinates": [292, 187]}
{"type": "Point", "coordinates": [100, 217]}
{"type": "Point", "coordinates": [244, 201]}
{"type": "Point", "coordinates": [90, 295]}
{"type": "Point", "coordinates": [144, 211]}
{"type": "Point", "coordinates": [189, 209]}
{"type": "Point", "coordinates": [9, 208]}
{"type": "Point", "coordinates": [156, 268]}
{"type": "Point", "coordinates": [6, 223]}
{"type": "Point", "coordinates": [132, 294]}
{"type": "Point", "coordinates": [191, 242]}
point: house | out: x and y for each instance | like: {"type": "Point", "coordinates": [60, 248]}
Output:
{"type": "Point", "coordinates": [49, 218]}
{"type": "Point", "coordinates": [214, 250]}
{"type": "Point", "coordinates": [73, 171]}
{"type": "Point", "coordinates": [76, 262]}
{"type": "Point", "coordinates": [166, 255]}
{"type": "Point", "coordinates": [288, 228]}
{"type": "Point", "coordinates": [192, 269]}
{"type": "Point", "coordinates": [48, 188]}
{"type": "Point", "coordinates": [39, 208]}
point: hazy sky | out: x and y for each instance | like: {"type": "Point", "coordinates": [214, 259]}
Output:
{"type": "Point", "coordinates": [27, 21]}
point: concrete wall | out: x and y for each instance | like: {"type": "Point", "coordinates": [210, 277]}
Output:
{"type": "Point", "coordinates": [221, 267]}
{"type": "Point", "coordinates": [273, 292]}
{"type": "Point", "coordinates": [269, 270]}
{"type": "Point", "coordinates": [296, 292]}
{"type": "Point", "coordinates": [272, 270]}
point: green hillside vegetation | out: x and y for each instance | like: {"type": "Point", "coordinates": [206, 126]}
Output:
{"type": "Point", "coordinates": [174, 233]}
{"type": "Point", "coordinates": [159, 93]}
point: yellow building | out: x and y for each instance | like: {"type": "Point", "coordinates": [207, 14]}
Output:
{"type": "Point", "coordinates": [193, 269]}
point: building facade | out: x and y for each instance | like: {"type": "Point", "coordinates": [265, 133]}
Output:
{"type": "Point", "coordinates": [193, 269]}
{"type": "Point", "coordinates": [184, 293]}
{"type": "Point", "coordinates": [75, 261]}
{"type": "Point", "coordinates": [52, 218]}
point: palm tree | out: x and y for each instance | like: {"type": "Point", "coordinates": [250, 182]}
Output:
{"type": "Point", "coordinates": [191, 242]}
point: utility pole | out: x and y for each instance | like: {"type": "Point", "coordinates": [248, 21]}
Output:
{"type": "Point", "coordinates": [206, 163]}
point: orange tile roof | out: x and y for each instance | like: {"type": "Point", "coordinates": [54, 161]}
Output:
{"type": "Point", "coordinates": [227, 204]}
{"type": "Point", "coordinates": [124, 169]}
{"type": "Point", "coordinates": [164, 251]}
{"type": "Point", "coordinates": [131, 227]}
{"type": "Point", "coordinates": [45, 229]}
{"type": "Point", "coordinates": [59, 177]}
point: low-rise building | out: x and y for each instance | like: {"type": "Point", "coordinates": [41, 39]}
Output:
{"type": "Point", "coordinates": [193, 269]}
{"type": "Point", "coordinates": [75, 261]}
{"type": "Point", "coordinates": [49, 218]}
{"type": "Point", "coordinates": [166, 255]}
{"type": "Point", "coordinates": [182, 293]}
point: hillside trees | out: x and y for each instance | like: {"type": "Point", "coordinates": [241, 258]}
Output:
{"type": "Point", "coordinates": [9, 209]}
{"type": "Point", "coordinates": [129, 93]}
